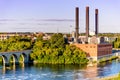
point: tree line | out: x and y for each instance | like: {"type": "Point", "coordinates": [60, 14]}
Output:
{"type": "Point", "coordinates": [56, 51]}
{"type": "Point", "coordinates": [15, 43]}
{"type": "Point", "coordinates": [52, 51]}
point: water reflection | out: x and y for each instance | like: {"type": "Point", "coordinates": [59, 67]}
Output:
{"type": "Point", "coordinates": [91, 72]}
{"type": "Point", "coordinates": [3, 69]}
{"type": "Point", "coordinates": [61, 72]}
{"type": "Point", "coordinates": [22, 66]}
{"type": "Point", "coordinates": [58, 72]}
{"type": "Point", "coordinates": [12, 67]}
{"type": "Point", "coordinates": [6, 68]}
{"type": "Point", "coordinates": [109, 68]}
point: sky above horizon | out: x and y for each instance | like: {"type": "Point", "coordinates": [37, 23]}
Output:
{"type": "Point", "coordinates": [57, 15]}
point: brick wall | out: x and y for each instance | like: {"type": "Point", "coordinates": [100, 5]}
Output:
{"type": "Point", "coordinates": [95, 50]}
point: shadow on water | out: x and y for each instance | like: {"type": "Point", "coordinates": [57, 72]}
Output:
{"type": "Point", "coordinates": [60, 67]}
{"type": "Point", "coordinates": [61, 71]}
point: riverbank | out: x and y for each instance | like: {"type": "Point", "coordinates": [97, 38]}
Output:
{"type": "Point", "coordinates": [113, 77]}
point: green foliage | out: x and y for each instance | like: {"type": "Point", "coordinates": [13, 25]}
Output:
{"type": "Point", "coordinates": [105, 34]}
{"type": "Point", "coordinates": [116, 43]}
{"type": "Point", "coordinates": [21, 58]}
{"type": "Point", "coordinates": [15, 43]}
{"type": "Point", "coordinates": [117, 77]}
{"type": "Point", "coordinates": [55, 51]}
{"type": "Point", "coordinates": [102, 60]}
{"type": "Point", "coordinates": [113, 57]}
{"type": "Point", "coordinates": [0, 59]}
{"type": "Point", "coordinates": [57, 41]}
{"type": "Point", "coordinates": [108, 34]}
{"type": "Point", "coordinates": [109, 59]}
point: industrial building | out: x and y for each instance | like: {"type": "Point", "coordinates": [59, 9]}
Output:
{"type": "Point", "coordinates": [94, 46]}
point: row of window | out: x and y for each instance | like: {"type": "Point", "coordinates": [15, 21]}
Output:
{"type": "Point", "coordinates": [104, 52]}
{"type": "Point", "coordinates": [105, 45]}
{"type": "Point", "coordinates": [90, 46]}
{"type": "Point", "coordinates": [98, 46]}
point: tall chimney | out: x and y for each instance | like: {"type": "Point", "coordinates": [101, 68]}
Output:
{"type": "Point", "coordinates": [96, 22]}
{"type": "Point", "coordinates": [77, 23]}
{"type": "Point", "coordinates": [87, 23]}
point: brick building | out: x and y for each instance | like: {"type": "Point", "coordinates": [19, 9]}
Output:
{"type": "Point", "coordinates": [96, 51]}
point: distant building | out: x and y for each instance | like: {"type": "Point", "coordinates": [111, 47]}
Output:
{"type": "Point", "coordinates": [110, 39]}
{"type": "Point", "coordinates": [82, 39]}
{"type": "Point", "coordinates": [73, 34]}
{"type": "Point", "coordinates": [92, 33]}
{"type": "Point", "coordinates": [6, 35]}
{"type": "Point", "coordinates": [46, 37]}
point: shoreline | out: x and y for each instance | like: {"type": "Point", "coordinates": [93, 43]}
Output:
{"type": "Point", "coordinates": [108, 77]}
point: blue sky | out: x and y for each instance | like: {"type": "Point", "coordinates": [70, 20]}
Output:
{"type": "Point", "coordinates": [57, 15]}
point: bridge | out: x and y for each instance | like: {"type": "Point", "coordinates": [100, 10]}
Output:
{"type": "Point", "coordinates": [16, 56]}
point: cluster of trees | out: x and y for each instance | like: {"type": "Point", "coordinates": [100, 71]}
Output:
{"type": "Point", "coordinates": [15, 43]}
{"type": "Point", "coordinates": [109, 34]}
{"type": "Point", "coordinates": [105, 34]}
{"type": "Point", "coordinates": [53, 51]}
{"type": "Point", "coordinates": [56, 51]}
{"type": "Point", "coordinates": [116, 43]}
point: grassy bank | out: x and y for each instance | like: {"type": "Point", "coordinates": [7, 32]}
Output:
{"type": "Point", "coordinates": [114, 77]}
{"type": "Point", "coordinates": [109, 59]}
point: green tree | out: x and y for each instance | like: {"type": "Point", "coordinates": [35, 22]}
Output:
{"type": "Point", "coordinates": [57, 41]}
{"type": "Point", "coordinates": [15, 43]}
{"type": "Point", "coordinates": [55, 51]}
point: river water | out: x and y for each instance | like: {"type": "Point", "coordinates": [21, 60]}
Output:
{"type": "Point", "coordinates": [58, 72]}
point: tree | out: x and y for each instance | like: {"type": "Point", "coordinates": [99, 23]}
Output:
{"type": "Point", "coordinates": [15, 43]}
{"type": "Point", "coordinates": [57, 41]}
{"type": "Point", "coordinates": [55, 51]}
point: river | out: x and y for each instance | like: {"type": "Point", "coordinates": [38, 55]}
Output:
{"type": "Point", "coordinates": [58, 72]}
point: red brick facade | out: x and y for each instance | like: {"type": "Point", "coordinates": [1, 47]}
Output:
{"type": "Point", "coordinates": [95, 50]}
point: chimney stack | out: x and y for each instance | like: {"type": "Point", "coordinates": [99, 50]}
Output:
{"type": "Point", "coordinates": [87, 23]}
{"type": "Point", "coordinates": [77, 24]}
{"type": "Point", "coordinates": [96, 22]}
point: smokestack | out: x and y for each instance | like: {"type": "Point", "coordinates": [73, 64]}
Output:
{"type": "Point", "coordinates": [87, 23]}
{"type": "Point", "coordinates": [96, 22]}
{"type": "Point", "coordinates": [77, 23]}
